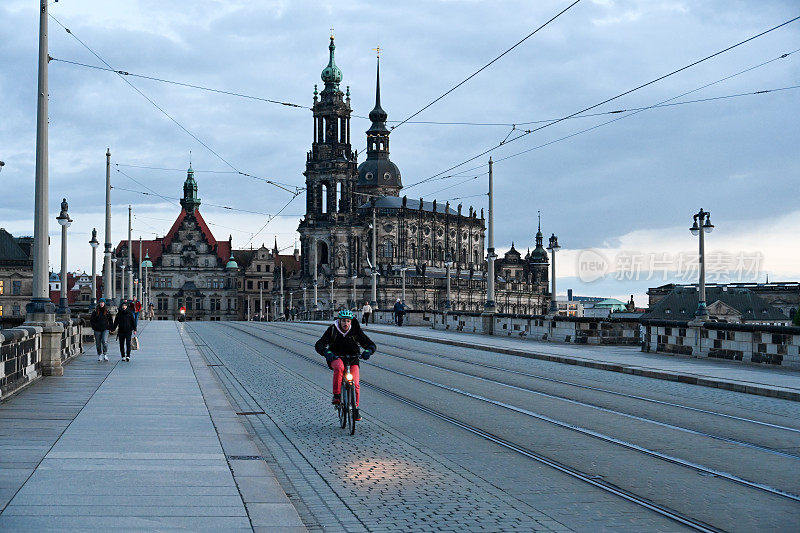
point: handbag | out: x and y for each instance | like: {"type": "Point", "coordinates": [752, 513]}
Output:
{"type": "Point", "coordinates": [135, 343]}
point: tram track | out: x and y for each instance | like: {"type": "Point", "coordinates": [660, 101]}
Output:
{"type": "Point", "coordinates": [684, 429]}
{"type": "Point", "coordinates": [594, 480]}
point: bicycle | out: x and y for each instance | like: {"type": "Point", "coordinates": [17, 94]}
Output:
{"type": "Point", "coordinates": [346, 408]}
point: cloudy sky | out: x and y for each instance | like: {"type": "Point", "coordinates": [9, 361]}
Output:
{"type": "Point", "coordinates": [617, 196]}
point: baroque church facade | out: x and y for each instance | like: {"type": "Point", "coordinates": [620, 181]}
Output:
{"type": "Point", "coordinates": [356, 220]}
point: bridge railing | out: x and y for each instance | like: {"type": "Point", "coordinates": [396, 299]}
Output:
{"type": "Point", "coordinates": [29, 352]}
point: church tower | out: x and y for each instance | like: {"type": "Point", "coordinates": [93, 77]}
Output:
{"type": "Point", "coordinates": [331, 173]}
{"type": "Point", "coordinates": [330, 164]}
{"type": "Point", "coordinates": [378, 175]}
{"type": "Point", "coordinates": [539, 261]}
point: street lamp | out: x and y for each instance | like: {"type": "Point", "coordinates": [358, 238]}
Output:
{"type": "Point", "coordinates": [145, 265]}
{"type": "Point", "coordinates": [702, 221]}
{"type": "Point", "coordinates": [305, 303]}
{"type": "Point", "coordinates": [448, 264]}
{"type": "Point", "coordinates": [403, 269]}
{"type": "Point", "coordinates": [64, 220]}
{"type": "Point", "coordinates": [553, 246]}
{"type": "Point", "coordinates": [94, 243]}
{"type": "Point", "coordinates": [113, 280]}
{"type": "Point", "coordinates": [122, 293]}
{"type": "Point", "coordinates": [354, 277]}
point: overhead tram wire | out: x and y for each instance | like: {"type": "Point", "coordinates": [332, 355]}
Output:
{"type": "Point", "coordinates": [181, 84]}
{"type": "Point", "coordinates": [192, 135]}
{"type": "Point", "coordinates": [271, 218]}
{"type": "Point", "coordinates": [206, 203]}
{"type": "Point", "coordinates": [629, 91]}
{"type": "Point", "coordinates": [486, 65]}
{"type": "Point", "coordinates": [635, 111]}
{"type": "Point", "coordinates": [210, 172]}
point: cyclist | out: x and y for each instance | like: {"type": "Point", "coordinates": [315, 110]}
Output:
{"type": "Point", "coordinates": [340, 345]}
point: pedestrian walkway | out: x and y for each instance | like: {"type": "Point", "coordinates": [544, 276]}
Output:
{"type": "Point", "coordinates": [150, 444]}
{"type": "Point", "coordinates": [742, 377]}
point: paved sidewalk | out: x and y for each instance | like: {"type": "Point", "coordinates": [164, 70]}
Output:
{"type": "Point", "coordinates": [152, 444]}
{"type": "Point", "coordinates": [742, 377]}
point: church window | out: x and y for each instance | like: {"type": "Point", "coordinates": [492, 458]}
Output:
{"type": "Point", "coordinates": [440, 232]}
{"type": "Point", "coordinates": [426, 230]}
{"type": "Point", "coordinates": [388, 249]}
{"type": "Point", "coordinates": [337, 198]}
{"type": "Point", "coordinates": [413, 250]}
{"type": "Point", "coordinates": [475, 257]}
{"type": "Point", "coordinates": [324, 197]}
{"type": "Point", "coordinates": [189, 303]}
{"type": "Point", "coordinates": [463, 255]}
{"type": "Point", "coordinates": [439, 253]}
{"type": "Point", "coordinates": [427, 250]}
{"type": "Point", "coordinates": [369, 176]}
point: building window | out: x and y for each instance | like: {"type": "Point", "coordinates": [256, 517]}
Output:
{"type": "Point", "coordinates": [15, 310]}
{"type": "Point", "coordinates": [189, 303]}
{"type": "Point", "coordinates": [2, 287]}
{"type": "Point", "coordinates": [266, 268]}
{"type": "Point", "coordinates": [16, 287]}
{"type": "Point", "coordinates": [249, 285]}
{"type": "Point", "coordinates": [231, 304]}
{"type": "Point", "coordinates": [1, 310]}
{"type": "Point", "coordinates": [258, 268]}
{"type": "Point", "coordinates": [388, 249]}
{"type": "Point", "coordinates": [172, 262]}
{"type": "Point", "coordinates": [199, 303]}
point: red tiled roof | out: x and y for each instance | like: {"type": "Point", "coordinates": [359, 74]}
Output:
{"type": "Point", "coordinates": [290, 264]}
{"type": "Point", "coordinates": [156, 247]}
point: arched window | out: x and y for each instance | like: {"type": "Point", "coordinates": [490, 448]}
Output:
{"type": "Point", "coordinates": [323, 192]}
{"type": "Point", "coordinates": [439, 253]}
{"type": "Point", "coordinates": [322, 253]}
{"type": "Point", "coordinates": [463, 256]}
{"type": "Point", "coordinates": [475, 257]}
{"type": "Point", "coordinates": [428, 252]}
{"type": "Point", "coordinates": [413, 250]}
{"type": "Point", "coordinates": [387, 250]}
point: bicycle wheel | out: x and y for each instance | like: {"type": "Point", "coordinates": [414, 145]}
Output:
{"type": "Point", "coordinates": [351, 408]}
{"type": "Point", "coordinates": [342, 407]}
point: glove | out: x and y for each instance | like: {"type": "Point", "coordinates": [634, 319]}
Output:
{"type": "Point", "coordinates": [366, 354]}
{"type": "Point", "coordinates": [329, 357]}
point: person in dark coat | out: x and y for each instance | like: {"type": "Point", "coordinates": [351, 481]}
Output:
{"type": "Point", "coordinates": [399, 312]}
{"type": "Point", "coordinates": [341, 344]}
{"type": "Point", "coordinates": [125, 325]}
{"type": "Point", "coordinates": [101, 324]}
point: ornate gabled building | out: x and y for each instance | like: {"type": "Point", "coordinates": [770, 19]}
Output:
{"type": "Point", "coordinates": [413, 239]}
{"type": "Point", "coordinates": [191, 269]}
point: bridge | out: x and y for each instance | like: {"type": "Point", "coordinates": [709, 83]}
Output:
{"type": "Point", "coordinates": [228, 426]}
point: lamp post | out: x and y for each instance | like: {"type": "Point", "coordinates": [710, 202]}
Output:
{"type": "Point", "coordinates": [64, 220]}
{"type": "Point", "coordinates": [146, 264]}
{"type": "Point", "coordinates": [131, 294]}
{"type": "Point", "coordinates": [374, 266]}
{"type": "Point", "coordinates": [355, 277]}
{"type": "Point", "coordinates": [108, 266]}
{"type": "Point", "coordinates": [331, 278]}
{"type": "Point", "coordinates": [291, 302]}
{"type": "Point", "coordinates": [305, 302]}
{"type": "Point", "coordinates": [141, 287]}
{"type": "Point", "coordinates": [113, 280]}
{"type": "Point", "coordinates": [448, 264]}
{"type": "Point", "coordinates": [261, 300]}
{"type": "Point", "coordinates": [553, 246]}
{"type": "Point", "coordinates": [702, 225]}
{"type": "Point", "coordinates": [490, 306]}
{"type": "Point", "coordinates": [94, 243]}
{"type": "Point", "coordinates": [122, 292]}
{"type": "Point", "coordinates": [403, 269]}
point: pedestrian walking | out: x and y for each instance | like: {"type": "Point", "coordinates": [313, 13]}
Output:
{"type": "Point", "coordinates": [137, 308]}
{"type": "Point", "coordinates": [399, 312]}
{"type": "Point", "coordinates": [101, 324]}
{"type": "Point", "coordinates": [366, 312]}
{"type": "Point", "coordinates": [151, 312]}
{"type": "Point", "coordinates": [125, 325]}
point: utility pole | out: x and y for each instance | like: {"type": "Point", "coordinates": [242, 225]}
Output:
{"type": "Point", "coordinates": [374, 302]}
{"type": "Point", "coordinates": [489, 307]}
{"type": "Point", "coordinates": [113, 281]}
{"type": "Point", "coordinates": [261, 299]}
{"type": "Point", "coordinates": [41, 309]}
{"type": "Point", "coordinates": [283, 302]}
{"type": "Point", "coordinates": [331, 278]}
{"type": "Point", "coordinates": [139, 294]}
{"type": "Point", "coordinates": [108, 273]}
{"type": "Point", "coordinates": [355, 305]}
{"type": "Point", "coordinates": [130, 257]}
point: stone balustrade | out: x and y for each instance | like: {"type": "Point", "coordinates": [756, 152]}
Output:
{"type": "Point", "coordinates": [28, 352]}
{"type": "Point", "coordinates": [752, 343]}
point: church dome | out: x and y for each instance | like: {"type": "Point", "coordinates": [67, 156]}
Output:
{"type": "Point", "coordinates": [378, 172]}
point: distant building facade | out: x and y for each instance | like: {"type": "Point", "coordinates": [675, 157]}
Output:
{"type": "Point", "coordinates": [16, 274]}
{"type": "Point", "coordinates": [738, 305]}
{"type": "Point", "coordinates": [784, 296]}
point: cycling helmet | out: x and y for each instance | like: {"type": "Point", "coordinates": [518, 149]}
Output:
{"type": "Point", "coordinates": [345, 313]}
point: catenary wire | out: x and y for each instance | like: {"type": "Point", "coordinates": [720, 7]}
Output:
{"type": "Point", "coordinates": [486, 65]}
{"type": "Point", "coordinates": [206, 171]}
{"type": "Point", "coordinates": [206, 203]}
{"type": "Point", "coordinates": [207, 147]}
{"type": "Point", "coordinates": [629, 91]}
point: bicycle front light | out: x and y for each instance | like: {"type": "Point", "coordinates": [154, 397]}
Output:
{"type": "Point", "coordinates": [348, 376]}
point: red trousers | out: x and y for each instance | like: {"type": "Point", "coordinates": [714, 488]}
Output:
{"type": "Point", "coordinates": [338, 370]}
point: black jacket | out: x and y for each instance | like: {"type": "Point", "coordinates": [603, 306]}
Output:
{"type": "Point", "coordinates": [100, 321]}
{"type": "Point", "coordinates": [348, 347]}
{"type": "Point", "coordinates": [125, 321]}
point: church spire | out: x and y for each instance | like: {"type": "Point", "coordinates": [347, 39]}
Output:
{"type": "Point", "coordinates": [378, 133]}
{"type": "Point", "coordinates": [331, 74]}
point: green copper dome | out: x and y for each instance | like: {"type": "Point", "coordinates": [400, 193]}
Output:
{"type": "Point", "coordinates": [232, 263]}
{"type": "Point", "coordinates": [331, 74]}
